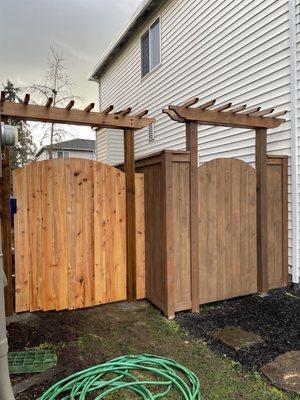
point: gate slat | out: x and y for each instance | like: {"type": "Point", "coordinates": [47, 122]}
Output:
{"type": "Point", "coordinates": [60, 232]}
{"type": "Point", "coordinates": [48, 238]}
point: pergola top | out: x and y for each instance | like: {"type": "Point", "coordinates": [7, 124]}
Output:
{"type": "Point", "coordinates": [225, 115]}
{"type": "Point", "coordinates": [45, 113]}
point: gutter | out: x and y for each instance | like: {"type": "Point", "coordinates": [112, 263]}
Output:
{"type": "Point", "coordinates": [294, 141]}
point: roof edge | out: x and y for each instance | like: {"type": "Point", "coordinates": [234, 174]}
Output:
{"type": "Point", "coordinates": [144, 11]}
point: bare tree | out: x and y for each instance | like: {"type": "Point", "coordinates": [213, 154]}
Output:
{"type": "Point", "coordinates": [58, 86]}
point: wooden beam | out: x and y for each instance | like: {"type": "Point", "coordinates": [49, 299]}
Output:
{"type": "Point", "coordinates": [238, 108]}
{"type": "Point", "coordinates": [89, 107]}
{"type": "Point", "coordinates": [206, 105]}
{"type": "Point", "coordinates": [251, 110]}
{"type": "Point", "coordinates": [141, 114]}
{"type": "Point", "coordinates": [6, 233]}
{"type": "Point", "coordinates": [190, 102]}
{"type": "Point", "coordinates": [223, 107]}
{"type": "Point", "coordinates": [26, 99]}
{"type": "Point", "coordinates": [216, 118]}
{"type": "Point", "coordinates": [261, 203]}
{"type": "Point", "coordinates": [173, 115]}
{"type": "Point", "coordinates": [70, 105]}
{"type": "Point", "coordinates": [71, 117]}
{"type": "Point", "coordinates": [49, 102]}
{"type": "Point", "coordinates": [192, 146]}
{"type": "Point", "coordinates": [108, 109]}
{"type": "Point", "coordinates": [278, 114]}
{"type": "Point", "coordinates": [124, 112]}
{"type": "Point", "coordinates": [263, 112]}
{"type": "Point", "coordinates": [2, 96]}
{"type": "Point", "coordinates": [129, 169]}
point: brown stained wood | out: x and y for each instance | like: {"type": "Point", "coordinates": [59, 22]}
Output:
{"type": "Point", "coordinates": [6, 234]}
{"type": "Point", "coordinates": [129, 169]}
{"type": "Point", "coordinates": [141, 114]}
{"type": "Point", "coordinates": [216, 118]}
{"type": "Point", "coordinates": [74, 117]}
{"type": "Point", "coordinates": [89, 107]}
{"type": "Point", "coordinates": [26, 99]}
{"type": "Point", "coordinates": [277, 204]}
{"type": "Point", "coordinates": [140, 236]}
{"type": "Point", "coordinates": [71, 235]}
{"type": "Point", "coordinates": [168, 233]}
{"type": "Point", "coordinates": [192, 146]}
{"type": "Point", "coordinates": [70, 104]}
{"type": "Point", "coordinates": [227, 193]}
{"type": "Point", "coordinates": [49, 102]}
{"type": "Point", "coordinates": [262, 231]}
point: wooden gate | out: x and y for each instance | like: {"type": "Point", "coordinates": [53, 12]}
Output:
{"type": "Point", "coordinates": [70, 235]}
{"type": "Point", "coordinates": [227, 229]}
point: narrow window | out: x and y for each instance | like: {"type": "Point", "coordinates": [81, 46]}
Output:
{"type": "Point", "coordinates": [66, 154]}
{"type": "Point", "coordinates": [150, 48]}
{"type": "Point", "coordinates": [60, 154]}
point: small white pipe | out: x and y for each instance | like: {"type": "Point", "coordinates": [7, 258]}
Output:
{"type": "Point", "coordinates": [294, 140]}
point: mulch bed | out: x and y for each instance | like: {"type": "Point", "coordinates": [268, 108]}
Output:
{"type": "Point", "coordinates": [276, 318]}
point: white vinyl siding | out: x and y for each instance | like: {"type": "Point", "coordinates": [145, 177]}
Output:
{"type": "Point", "coordinates": [237, 50]}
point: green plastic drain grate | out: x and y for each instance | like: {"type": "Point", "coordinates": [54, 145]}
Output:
{"type": "Point", "coordinates": [24, 362]}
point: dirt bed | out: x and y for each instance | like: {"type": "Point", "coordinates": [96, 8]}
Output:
{"type": "Point", "coordinates": [276, 318]}
{"type": "Point", "coordinates": [88, 337]}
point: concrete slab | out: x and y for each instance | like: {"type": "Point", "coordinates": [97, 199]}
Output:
{"type": "Point", "coordinates": [284, 372]}
{"type": "Point", "coordinates": [236, 337]}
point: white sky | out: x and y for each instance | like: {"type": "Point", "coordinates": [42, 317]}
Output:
{"type": "Point", "coordinates": [81, 29]}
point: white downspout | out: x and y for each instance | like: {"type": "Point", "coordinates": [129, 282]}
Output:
{"type": "Point", "coordinates": [294, 140]}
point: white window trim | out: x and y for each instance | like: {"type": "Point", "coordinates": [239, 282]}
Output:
{"type": "Point", "coordinates": [148, 30]}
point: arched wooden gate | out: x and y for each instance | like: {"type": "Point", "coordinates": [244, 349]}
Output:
{"type": "Point", "coordinates": [70, 235]}
{"type": "Point", "coordinates": [227, 229]}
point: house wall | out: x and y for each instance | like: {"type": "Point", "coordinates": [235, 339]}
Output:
{"type": "Point", "coordinates": [44, 155]}
{"type": "Point", "coordinates": [235, 50]}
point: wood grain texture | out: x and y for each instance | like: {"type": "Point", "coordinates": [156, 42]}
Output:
{"type": "Point", "coordinates": [227, 229]}
{"type": "Point", "coordinates": [70, 232]}
{"type": "Point", "coordinates": [277, 204]}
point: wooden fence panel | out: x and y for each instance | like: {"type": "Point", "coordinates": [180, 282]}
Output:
{"type": "Point", "coordinates": [70, 235]}
{"type": "Point", "coordinates": [277, 175]}
{"type": "Point", "coordinates": [227, 230]}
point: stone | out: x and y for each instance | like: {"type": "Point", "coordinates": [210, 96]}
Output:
{"type": "Point", "coordinates": [284, 372]}
{"type": "Point", "coordinates": [236, 338]}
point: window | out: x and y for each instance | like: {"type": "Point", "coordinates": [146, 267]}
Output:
{"type": "Point", "coordinates": [150, 48]}
{"type": "Point", "coordinates": [151, 132]}
{"type": "Point", "coordinates": [63, 154]}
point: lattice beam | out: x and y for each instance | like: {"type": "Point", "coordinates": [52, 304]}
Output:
{"type": "Point", "coordinates": [225, 115]}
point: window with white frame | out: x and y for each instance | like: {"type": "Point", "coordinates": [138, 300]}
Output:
{"type": "Point", "coordinates": [150, 48]}
{"type": "Point", "coordinates": [63, 154]}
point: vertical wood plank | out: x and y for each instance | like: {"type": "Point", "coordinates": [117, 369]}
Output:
{"type": "Point", "coordinates": [48, 240]}
{"type": "Point", "coordinates": [285, 220]}
{"type": "Point", "coordinates": [129, 168]}
{"type": "Point", "coordinates": [262, 228]}
{"type": "Point", "coordinates": [60, 233]}
{"type": "Point", "coordinates": [6, 234]}
{"type": "Point", "coordinates": [21, 242]}
{"type": "Point", "coordinates": [140, 235]}
{"type": "Point", "coordinates": [168, 233]}
{"type": "Point", "coordinates": [192, 146]}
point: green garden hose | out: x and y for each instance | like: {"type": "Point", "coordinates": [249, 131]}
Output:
{"type": "Point", "coordinates": [133, 373]}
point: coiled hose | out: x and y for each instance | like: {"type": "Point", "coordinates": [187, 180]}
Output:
{"type": "Point", "coordinates": [133, 373]}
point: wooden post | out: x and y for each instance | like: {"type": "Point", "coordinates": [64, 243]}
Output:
{"type": "Point", "coordinates": [129, 168]}
{"type": "Point", "coordinates": [6, 233]}
{"type": "Point", "coordinates": [168, 233]}
{"type": "Point", "coordinates": [261, 218]}
{"type": "Point", "coordinates": [192, 146]}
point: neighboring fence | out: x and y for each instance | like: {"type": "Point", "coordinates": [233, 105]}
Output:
{"type": "Point", "coordinates": [227, 228]}
{"type": "Point", "coordinates": [70, 235]}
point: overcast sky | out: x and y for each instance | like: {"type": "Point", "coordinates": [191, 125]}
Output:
{"type": "Point", "coordinates": [81, 29]}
